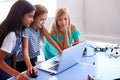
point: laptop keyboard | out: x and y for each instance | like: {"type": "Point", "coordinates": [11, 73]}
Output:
{"type": "Point", "coordinates": [55, 67]}
{"type": "Point", "coordinates": [55, 62]}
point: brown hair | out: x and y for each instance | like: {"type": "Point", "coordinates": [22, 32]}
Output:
{"type": "Point", "coordinates": [40, 9]}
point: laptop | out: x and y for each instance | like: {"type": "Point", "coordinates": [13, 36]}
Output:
{"type": "Point", "coordinates": [64, 61]}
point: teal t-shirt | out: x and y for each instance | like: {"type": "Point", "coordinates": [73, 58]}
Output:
{"type": "Point", "coordinates": [50, 51]}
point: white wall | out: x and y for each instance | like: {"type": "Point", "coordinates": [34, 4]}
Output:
{"type": "Point", "coordinates": [4, 9]}
{"type": "Point", "coordinates": [75, 10]}
{"type": "Point", "coordinates": [102, 20]}
{"type": "Point", "coordinates": [97, 19]}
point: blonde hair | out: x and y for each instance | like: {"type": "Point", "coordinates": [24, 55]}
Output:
{"type": "Point", "coordinates": [55, 27]}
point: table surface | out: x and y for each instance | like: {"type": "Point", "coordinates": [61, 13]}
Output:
{"type": "Point", "coordinates": [101, 66]}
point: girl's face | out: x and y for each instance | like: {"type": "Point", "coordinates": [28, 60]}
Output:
{"type": "Point", "coordinates": [63, 22]}
{"type": "Point", "coordinates": [28, 18]}
{"type": "Point", "coordinates": [40, 20]}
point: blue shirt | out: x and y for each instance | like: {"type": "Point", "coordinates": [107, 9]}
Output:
{"type": "Point", "coordinates": [33, 43]}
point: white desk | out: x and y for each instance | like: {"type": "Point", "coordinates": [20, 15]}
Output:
{"type": "Point", "coordinates": [100, 66]}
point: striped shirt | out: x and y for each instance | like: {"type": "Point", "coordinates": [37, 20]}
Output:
{"type": "Point", "coordinates": [33, 43]}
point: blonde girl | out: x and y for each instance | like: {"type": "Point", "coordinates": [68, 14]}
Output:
{"type": "Point", "coordinates": [63, 32]}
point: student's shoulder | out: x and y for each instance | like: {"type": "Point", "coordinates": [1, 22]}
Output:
{"type": "Point", "coordinates": [74, 27]}
{"type": "Point", "coordinates": [11, 35]}
{"type": "Point", "coordinates": [52, 32]}
{"type": "Point", "coordinates": [28, 29]}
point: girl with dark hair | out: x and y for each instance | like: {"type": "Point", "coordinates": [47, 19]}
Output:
{"type": "Point", "coordinates": [20, 16]}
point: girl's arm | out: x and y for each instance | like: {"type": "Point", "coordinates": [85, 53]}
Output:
{"type": "Point", "coordinates": [47, 35]}
{"type": "Point", "coordinates": [65, 43]}
{"type": "Point", "coordinates": [26, 55]}
{"type": "Point", "coordinates": [66, 40]}
{"type": "Point", "coordinates": [4, 66]}
{"type": "Point", "coordinates": [13, 61]}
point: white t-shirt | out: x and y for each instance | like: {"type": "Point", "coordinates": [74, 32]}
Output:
{"type": "Point", "coordinates": [9, 42]}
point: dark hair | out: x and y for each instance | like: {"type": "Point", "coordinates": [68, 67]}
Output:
{"type": "Point", "coordinates": [13, 21]}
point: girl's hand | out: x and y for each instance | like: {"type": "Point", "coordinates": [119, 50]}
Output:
{"type": "Point", "coordinates": [64, 30]}
{"type": "Point", "coordinates": [22, 77]}
{"type": "Point", "coordinates": [60, 52]}
{"type": "Point", "coordinates": [31, 69]}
